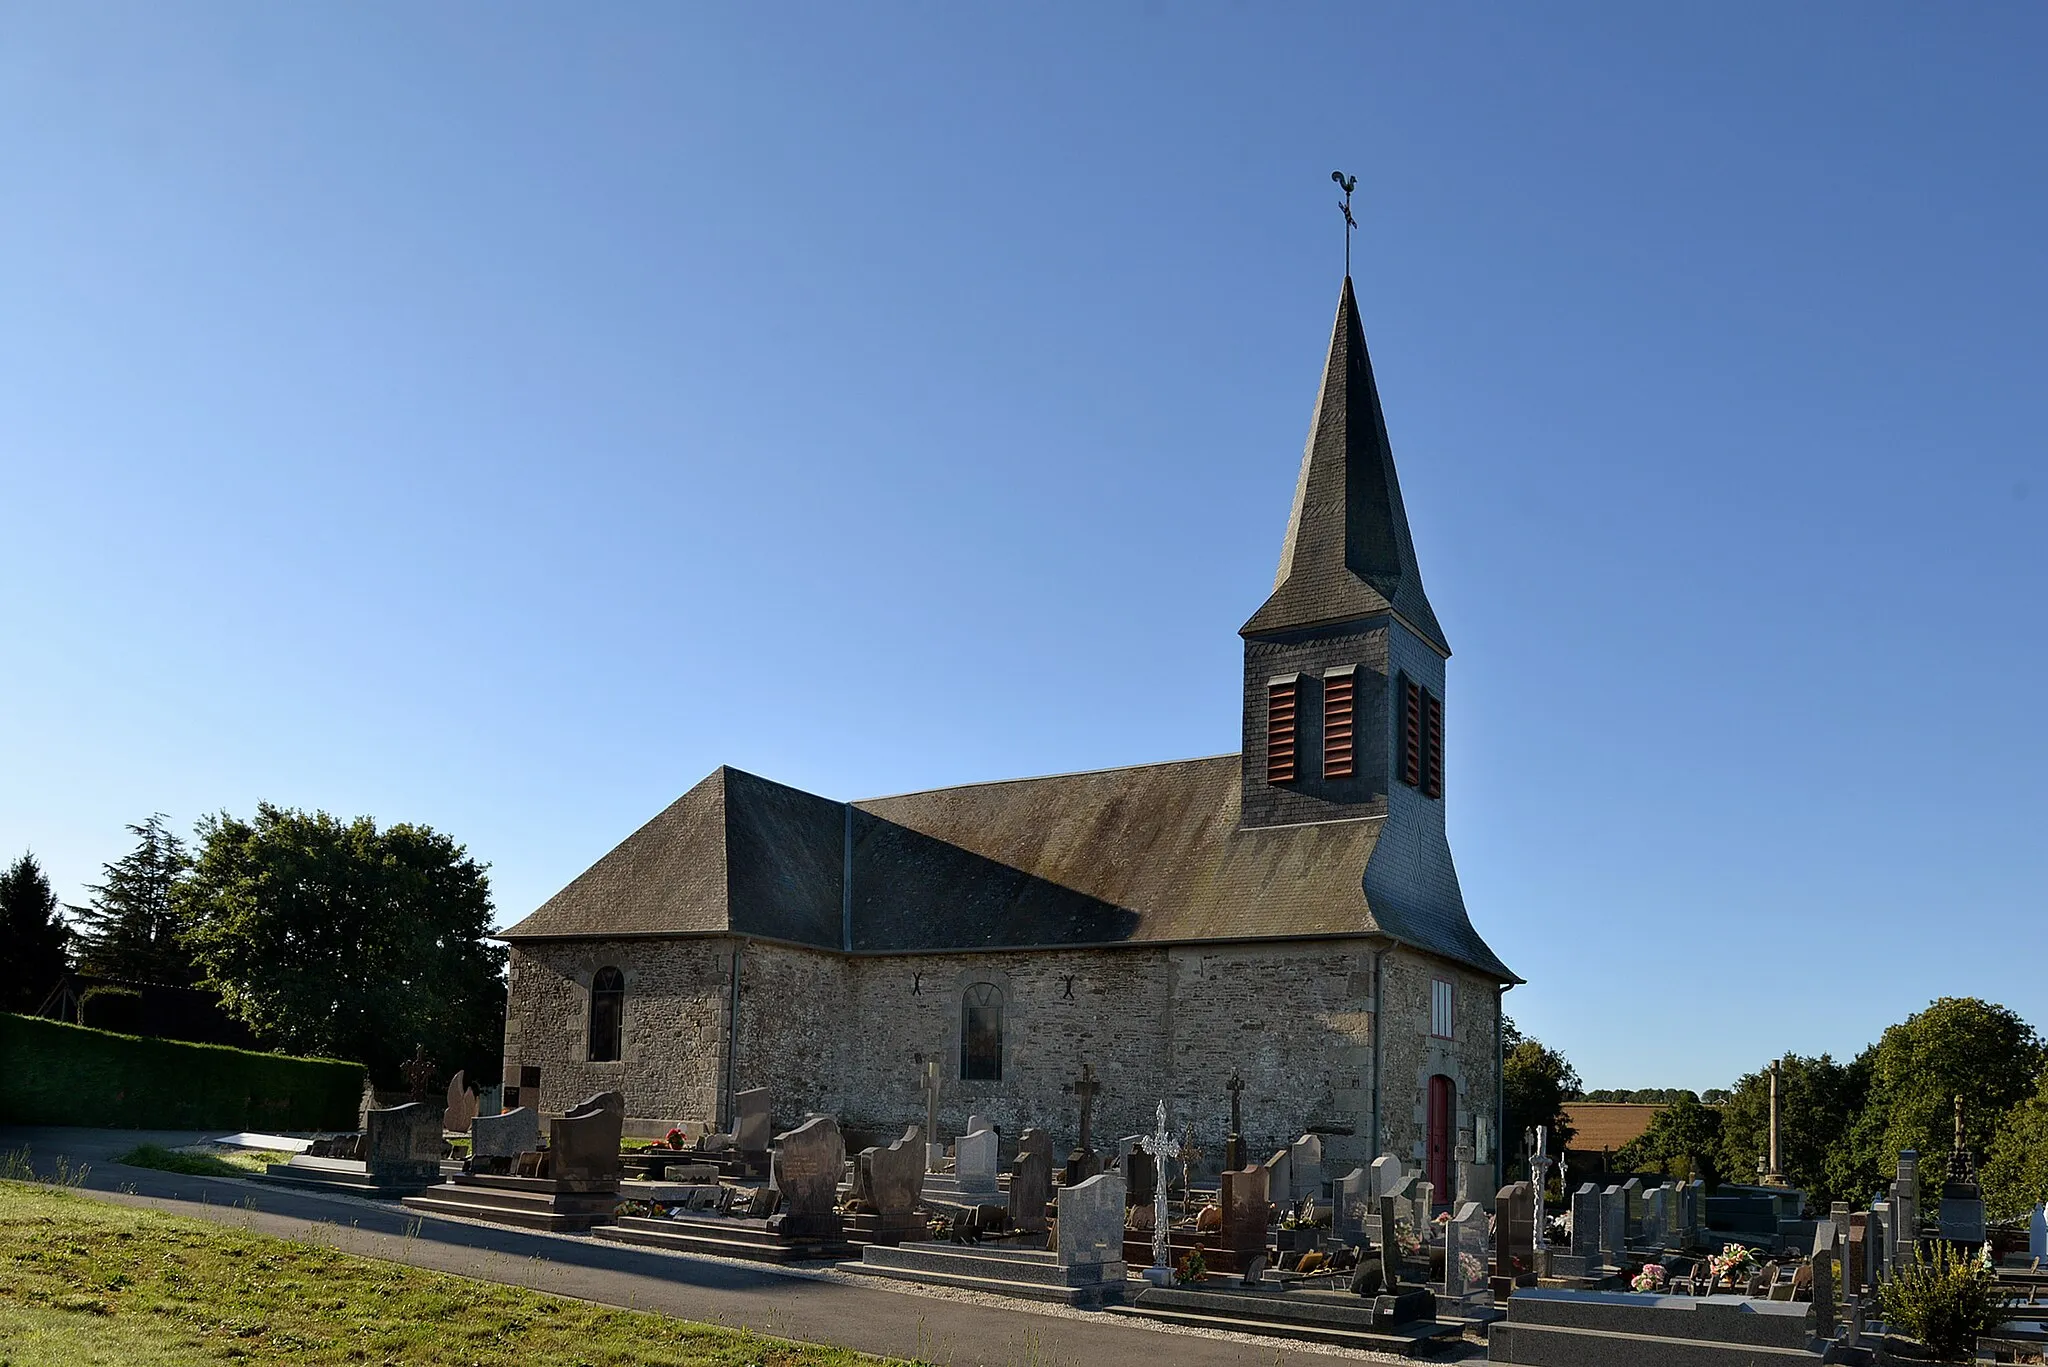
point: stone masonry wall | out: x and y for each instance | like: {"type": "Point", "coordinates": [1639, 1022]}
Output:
{"type": "Point", "coordinates": [1411, 1055]}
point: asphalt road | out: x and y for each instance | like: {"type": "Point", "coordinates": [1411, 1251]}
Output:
{"type": "Point", "coordinates": [864, 1314]}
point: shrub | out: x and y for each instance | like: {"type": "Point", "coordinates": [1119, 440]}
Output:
{"type": "Point", "coordinates": [1944, 1299]}
{"type": "Point", "coordinates": [111, 1008]}
{"type": "Point", "coordinates": [57, 1074]}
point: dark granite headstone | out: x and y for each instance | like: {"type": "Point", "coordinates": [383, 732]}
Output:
{"type": "Point", "coordinates": [1141, 1178]}
{"type": "Point", "coordinates": [1246, 1212]}
{"type": "Point", "coordinates": [583, 1145]}
{"type": "Point", "coordinates": [1514, 1215]}
{"type": "Point", "coordinates": [403, 1143]}
{"type": "Point", "coordinates": [1031, 1181]}
{"type": "Point", "coordinates": [751, 1127]}
{"type": "Point", "coordinates": [804, 1170]}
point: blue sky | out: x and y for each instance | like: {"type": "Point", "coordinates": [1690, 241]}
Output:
{"type": "Point", "coordinates": [499, 416]}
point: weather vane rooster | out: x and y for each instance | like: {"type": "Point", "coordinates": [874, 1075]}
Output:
{"type": "Point", "coordinates": [1347, 184]}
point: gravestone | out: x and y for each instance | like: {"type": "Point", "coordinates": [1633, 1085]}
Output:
{"type": "Point", "coordinates": [583, 1144]}
{"type": "Point", "coordinates": [1632, 1192]}
{"type": "Point", "coordinates": [1585, 1242]}
{"type": "Point", "coordinates": [1280, 1177]}
{"type": "Point", "coordinates": [1614, 1227]}
{"type": "Point", "coordinates": [2037, 1233]}
{"type": "Point", "coordinates": [1091, 1230]}
{"type": "Point", "coordinates": [751, 1127]}
{"type": "Point", "coordinates": [1853, 1266]}
{"type": "Point", "coordinates": [1824, 1279]}
{"type": "Point", "coordinates": [1403, 1193]}
{"type": "Point", "coordinates": [1655, 1221]}
{"type": "Point", "coordinates": [1827, 1236]}
{"type": "Point", "coordinates": [1387, 1237]}
{"type": "Point", "coordinates": [462, 1105]}
{"type": "Point", "coordinates": [1695, 1219]}
{"type": "Point", "coordinates": [1386, 1171]}
{"type": "Point", "coordinates": [1305, 1169]}
{"type": "Point", "coordinates": [505, 1136]}
{"type": "Point", "coordinates": [403, 1143]}
{"type": "Point", "coordinates": [804, 1170]}
{"type": "Point", "coordinates": [974, 1164]}
{"type": "Point", "coordinates": [1246, 1212]}
{"type": "Point", "coordinates": [1514, 1215]}
{"type": "Point", "coordinates": [1031, 1181]}
{"type": "Point", "coordinates": [1465, 1238]}
{"type": "Point", "coordinates": [1354, 1193]}
{"type": "Point", "coordinates": [1905, 1229]}
{"type": "Point", "coordinates": [929, 1081]}
{"type": "Point", "coordinates": [1233, 1143]}
{"type": "Point", "coordinates": [1425, 1203]}
{"type": "Point", "coordinates": [895, 1175]}
{"type": "Point", "coordinates": [1873, 1247]}
{"type": "Point", "coordinates": [1141, 1177]}
{"type": "Point", "coordinates": [1962, 1213]}
{"type": "Point", "coordinates": [1083, 1163]}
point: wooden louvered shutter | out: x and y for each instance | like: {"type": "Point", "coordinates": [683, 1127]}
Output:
{"type": "Point", "coordinates": [1433, 741]}
{"type": "Point", "coordinates": [1411, 734]}
{"type": "Point", "coordinates": [1339, 722]}
{"type": "Point", "coordinates": [1280, 726]}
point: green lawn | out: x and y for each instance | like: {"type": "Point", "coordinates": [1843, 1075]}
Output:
{"type": "Point", "coordinates": [238, 1163]}
{"type": "Point", "coordinates": [85, 1282]}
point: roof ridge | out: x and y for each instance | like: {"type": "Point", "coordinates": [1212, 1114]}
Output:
{"type": "Point", "coordinates": [1041, 778]}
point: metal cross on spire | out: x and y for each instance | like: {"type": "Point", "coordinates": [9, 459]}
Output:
{"type": "Point", "coordinates": [1347, 184]}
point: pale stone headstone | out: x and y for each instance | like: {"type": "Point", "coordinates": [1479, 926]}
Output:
{"type": "Point", "coordinates": [804, 1170]}
{"type": "Point", "coordinates": [2037, 1233]}
{"type": "Point", "coordinates": [1280, 1177]}
{"type": "Point", "coordinates": [1386, 1171]}
{"type": "Point", "coordinates": [977, 1123]}
{"type": "Point", "coordinates": [583, 1145]}
{"type": "Point", "coordinates": [1354, 1193]}
{"type": "Point", "coordinates": [462, 1105]}
{"type": "Point", "coordinates": [1614, 1227]}
{"type": "Point", "coordinates": [751, 1127]}
{"type": "Point", "coordinates": [1586, 1223]}
{"type": "Point", "coordinates": [1031, 1181]}
{"type": "Point", "coordinates": [974, 1164]}
{"type": "Point", "coordinates": [1425, 1203]}
{"type": "Point", "coordinates": [403, 1143]}
{"type": "Point", "coordinates": [1091, 1229]}
{"type": "Point", "coordinates": [1403, 1193]}
{"type": "Point", "coordinates": [508, 1135]}
{"type": "Point", "coordinates": [1246, 1211]}
{"type": "Point", "coordinates": [1305, 1168]}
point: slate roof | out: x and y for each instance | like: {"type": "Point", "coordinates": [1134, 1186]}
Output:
{"type": "Point", "coordinates": [1145, 855]}
{"type": "Point", "coordinates": [1348, 554]}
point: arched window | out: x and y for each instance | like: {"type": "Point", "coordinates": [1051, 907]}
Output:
{"type": "Point", "coordinates": [607, 1015]}
{"type": "Point", "coordinates": [981, 1034]}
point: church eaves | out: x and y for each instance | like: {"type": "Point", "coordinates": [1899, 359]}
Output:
{"type": "Point", "coordinates": [1348, 555]}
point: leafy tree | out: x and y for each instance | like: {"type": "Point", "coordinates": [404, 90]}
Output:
{"type": "Point", "coordinates": [33, 938]}
{"type": "Point", "coordinates": [336, 938]}
{"type": "Point", "coordinates": [1537, 1081]}
{"type": "Point", "coordinates": [1640, 1096]}
{"type": "Point", "coordinates": [131, 929]}
{"type": "Point", "coordinates": [1818, 1102]}
{"type": "Point", "coordinates": [1683, 1141]}
{"type": "Point", "coordinates": [1958, 1046]}
{"type": "Point", "coordinates": [2015, 1176]}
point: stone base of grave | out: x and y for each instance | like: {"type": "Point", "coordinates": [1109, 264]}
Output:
{"type": "Point", "coordinates": [1031, 1274]}
{"type": "Point", "coordinates": [866, 1227]}
{"type": "Point", "coordinates": [1504, 1287]}
{"type": "Point", "coordinates": [944, 1189]}
{"type": "Point", "coordinates": [351, 1177]}
{"type": "Point", "coordinates": [667, 1166]}
{"type": "Point", "coordinates": [731, 1237]}
{"type": "Point", "coordinates": [526, 1202]}
{"type": "Point", "coordinates": [1572, 1329]}
{"type": "Point", "coordinates": [1404, 1324]}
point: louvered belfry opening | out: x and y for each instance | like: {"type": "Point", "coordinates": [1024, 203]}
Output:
{"type": "Point", "coordinates": [1433, 746]}
{"type": "Point", "coordinates": [1340, 717]}
{"type": "Point", "coordinates": [1282, 699]}
{"type": "Point", "coordinates": [1411, 733]}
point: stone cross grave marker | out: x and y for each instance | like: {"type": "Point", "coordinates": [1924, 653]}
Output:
{"type": "Point", "coordinates": [1539, 1171]}
{"type": "Point", "coordinates": [1082, 1163]}
{"type": "Point", "coordinates": [1031, 1181]}
{"type": "Point", "coordinates": [1233, 1143]}
{"type": "Point", "coordinates": [933, 1148]}
{"type": "Point", "coordinates": [1159, 1144]}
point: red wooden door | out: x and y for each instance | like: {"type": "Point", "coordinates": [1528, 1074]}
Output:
{"type": "Point", "coordinates": [1442, 1116]}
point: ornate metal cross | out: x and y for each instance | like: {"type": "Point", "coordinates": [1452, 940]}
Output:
{"type": "Point", "coordinates": [419, 1074]}
{"type": "Point", "coordinates": [1161, 1146]}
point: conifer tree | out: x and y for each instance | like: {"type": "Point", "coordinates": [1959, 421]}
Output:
{"type": "Point", "coordinates": [131, 929]}
{"type": "Point", "coordinates": [32, 936]}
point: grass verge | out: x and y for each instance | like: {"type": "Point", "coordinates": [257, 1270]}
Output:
{"type": "Point", "coordinates": [239, 1163]}
{"type": "Point", "coordinates": [85, 1283]}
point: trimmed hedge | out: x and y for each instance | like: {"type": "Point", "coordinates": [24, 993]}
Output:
{"type": "Point", "coordinates": [57, 1074]}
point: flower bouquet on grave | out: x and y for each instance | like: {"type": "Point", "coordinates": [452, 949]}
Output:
{"type": "Point", "coordinates": [1734, 1262]}
{"type": "Point", "coordinates": [676, 1139]}
{"type": "Point", "coordinates": [642, 1209]}
{"type": "Point", "coordinates": [1651, 1280]}
{"type": "Point", "coordinates": [1409, 1242]}
{"type": "Point", "coordinates": [1472, 1267]}
{"type": "Point", "coordinates": [1192, 1267]}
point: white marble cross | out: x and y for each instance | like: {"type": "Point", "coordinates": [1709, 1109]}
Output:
{"type": "Point", "coordinates": [1160, 1145]}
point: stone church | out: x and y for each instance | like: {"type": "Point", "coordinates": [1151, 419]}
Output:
{"type": "Point", "coordinates": [1289, 913]}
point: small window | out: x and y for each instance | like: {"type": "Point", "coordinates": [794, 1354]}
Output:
{"type": "Point", "coordinates": [981, 1034]}
{"type": "Point", "coordinates": [1440, 1008]}
{"type": "Point", "coordinates": [1280, 721]}
{"type": "Point", "coordinates": [607, 1015]}
{"type": "Point", "coordinates": [1433, 747]}
{"type": "Point", "coordinates": [1339, 718]}
{"type": "Point", "coordinates": [1411, 733]}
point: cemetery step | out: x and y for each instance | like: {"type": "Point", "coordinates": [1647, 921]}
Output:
{"type": "Point", "coordinates": [1023, 1273]}
{"type": "Point", "coordinates": [720, 1238]}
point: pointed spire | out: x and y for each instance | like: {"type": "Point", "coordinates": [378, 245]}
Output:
{"type": "Point", "coordinates": [1348, 554]}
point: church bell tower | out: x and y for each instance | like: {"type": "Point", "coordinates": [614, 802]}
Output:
{"type": "Point", "coordinates": [1344, 664]}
